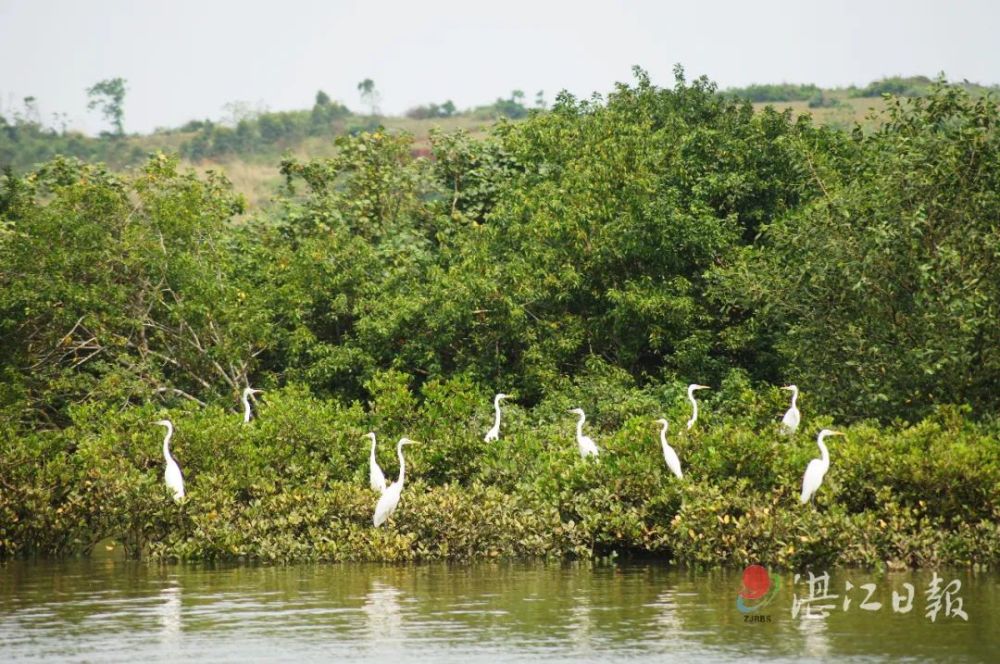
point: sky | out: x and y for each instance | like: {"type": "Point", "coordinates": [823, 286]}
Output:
{"type": "Point", "coordinates": [187, 59]}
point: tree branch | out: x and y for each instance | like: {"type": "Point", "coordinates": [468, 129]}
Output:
{"type": "Point", "coordinates": [180, 393]}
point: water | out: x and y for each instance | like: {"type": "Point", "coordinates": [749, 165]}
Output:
{"type": "Point", "coordinates": [111, 610]}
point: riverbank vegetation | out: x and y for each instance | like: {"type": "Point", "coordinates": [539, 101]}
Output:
{"type": "Point", "coordinates": [603, 255]}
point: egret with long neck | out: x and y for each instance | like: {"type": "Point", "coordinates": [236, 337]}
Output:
{"type": "Point", "coordinates": [817, 468]}
{"type": "Point", "coordinates": [494, 432]}
{"type": "Point", "coordinates": [247, 392]}
{"type": "Point", "coordinates": [172, 475]}
{"type": "Point", "coordinates": [694, 404]}
{"type": "Point", "coordinates": [585, 443]}
{"type": "Point", "coordinates": [390, 497]}
{"type": "Point", "coordinates": [375, 476]}
{"type": "Point", "coordinates": [669, 455]}
{"type": "Point", "coordinates": [790, 422]}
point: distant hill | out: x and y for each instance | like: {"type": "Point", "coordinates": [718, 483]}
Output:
{"type": "Point", "coordinates": [248, 149]}
{"type": "Point", "coordinates": [900, 86]}
{"type": "Point", "coordinates": [26, 142]}
{"type": "Point", "coordinates": [843, 107]}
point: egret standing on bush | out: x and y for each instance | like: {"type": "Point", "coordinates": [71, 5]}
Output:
{"type": "Point", "coordinates": [172, 475]}
{"type": "Point", "coordinates": [817, 468]}
{"type": "Point", "coordinates": [375, 476]}
{"type": "Point", "coordinates": [587, 446]}
{"type": "Point", "coordinates": [790, 422]}
{"type": "Point", "coordinates": [494, 433]}
{"type": "Point", "coordinates": [669, 455]}
{"type": "Point", "coordinates": [390, 497]}
{"type": "Point", "coordinates": [694, 404]}
{"type": "Point", "coordinates": [247, 391]}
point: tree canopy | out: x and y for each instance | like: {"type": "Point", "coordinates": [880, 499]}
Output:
{"type": "Point", "coordinates": [670, 232]}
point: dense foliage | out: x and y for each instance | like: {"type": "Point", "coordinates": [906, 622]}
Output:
{"type": "Point", "coordinates": [602, 254]}
{"type": "Point", "coordinates": [25, 142]}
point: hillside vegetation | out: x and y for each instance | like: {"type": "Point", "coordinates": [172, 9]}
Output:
{"type": "Point", "coordinates": [602, 255]}
{"type": "Point", "coordinates": [247, 145]}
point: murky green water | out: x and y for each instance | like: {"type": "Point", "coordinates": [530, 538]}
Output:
{"type": "Point", "coordinates": [106, 610]}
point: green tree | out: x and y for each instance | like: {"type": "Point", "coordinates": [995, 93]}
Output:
{"type": "Point", "coordinates": [31, 113]}
{"type": "Point", "coordinates": [324, 112]}
{"type": "Point", "coordinates": [109, 96]}
{"type": "Point", "coordinates": [884, 292]}
{"type": "Point", "coordinates": [512, 107]}
{"type": "Point", "coordinates": [124, 289]}
{"type": "Point", "coordinates": [370, 97]}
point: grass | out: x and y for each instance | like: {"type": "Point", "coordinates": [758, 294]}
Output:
{"type": "Point", "coordinates": [844, 114]}
{"type": "Point", "coordinates": [256, 176]}
{"type": "Point", "coordinates": [257, 182]}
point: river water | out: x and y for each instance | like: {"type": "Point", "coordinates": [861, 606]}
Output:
{"type": "Point", "coordinates": [112, 610]}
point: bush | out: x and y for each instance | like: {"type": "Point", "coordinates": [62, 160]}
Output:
{"type": "Point", "coordinates": [822, 100]}
{"type": "Point", "coordinates": [445, 110]}
{"type": "Point", "coordinates": [292, 485]}
{"type": "Point", "coordinates": [775, 92]}
{"type": "Point", "coordinates": [899, 86]}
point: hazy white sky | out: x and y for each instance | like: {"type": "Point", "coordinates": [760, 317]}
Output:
{"type": "Point", "coordinates": [186, 59]}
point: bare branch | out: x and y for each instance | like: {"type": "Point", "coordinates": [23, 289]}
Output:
{"type": "Point", "coordinates": [97, 351]}
{"type": "Point", "coordinates": [180, 393]}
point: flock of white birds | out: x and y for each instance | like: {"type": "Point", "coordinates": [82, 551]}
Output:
{"type": "Point", "coordinates": [389, 494]}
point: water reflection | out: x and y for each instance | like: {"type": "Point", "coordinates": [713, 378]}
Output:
{"type": "Point", "coordinates": [813, 630]}
{"type": "Point", "coordinates": [382, 612]}
{"type": "Point", "coordinates": [666, 613]}
{"type": "Point", "coordinates": [170, 613]}
{"type": "Point", "coordinates": [123, 611]}
{"type": "Point", "coordinates": [581, 625]}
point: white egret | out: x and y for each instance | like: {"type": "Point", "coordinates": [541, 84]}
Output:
{"type": "Point", "coordinates": [669, 455]}
{"type": "Point", "coordinates": [390, 497]}
{"type": "Point", "coordinates": [247, 391]}
{"type": "Point", "coordinates": [375, 476]}
{"type": "Point", "coordinates": [494, 433]}
{"type": "Point", "coordinates": [587, 446]}
{"type": "Point", "coordinates": [790, 422]}
{"type": "Point", "coordinates": [817, 467]}
{"type": "Point", "coordinates": [694, 404]}
{"type": "Point", "coordinates": [172, 475]}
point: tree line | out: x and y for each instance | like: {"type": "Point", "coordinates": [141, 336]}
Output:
{"type": "Point", "coordinates": [669, 232]}
{"type": "Point", "coordinates": [607, 250]}
{"type": "Point", "coordinates": [26, 141]}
